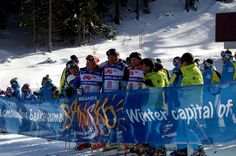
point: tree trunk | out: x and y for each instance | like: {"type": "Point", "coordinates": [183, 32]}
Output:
{"type": "Point", "coordinates": [137, 9]}
{"type": "Point", "coordinates": [50, 27]}
{"type": "Point", "coordinates": [146, 7]}
{"type": "Point", "coordinates": [34, 31]}
{"type": "Point", "coordinates": [117, 13]}
{"type": "Point", "coordinates": [187, 2]}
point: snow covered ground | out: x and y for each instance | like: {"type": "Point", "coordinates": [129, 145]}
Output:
{"type": "Point", "coordinates": [19, 145]}
{"type": "Point", "coordinates": [167, 32]}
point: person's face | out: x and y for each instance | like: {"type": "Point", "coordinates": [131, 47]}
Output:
{"type": "Point", "coordinates": [73, 70]}
{"type": "Point", "coordinates": [223, 59]}
{"type": "Point", "coordinates": [135, 62]}
{"type": "Point", "coordinates": [91, 64]}
{"type": "Point", "coordinates": [145, 68]}
{"type": "Point", "coordinates": [112, 59]}
{"type": "Point", "coordinates": [183, 63]}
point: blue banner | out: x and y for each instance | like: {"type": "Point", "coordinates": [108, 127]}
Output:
{"type": "Point", "coordinates": [197, 114]}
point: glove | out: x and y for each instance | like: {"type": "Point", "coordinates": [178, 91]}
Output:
{"type": "Point", "coordinates": [80, 91]}
{"type": "Point", "coordinates": [36, 93]}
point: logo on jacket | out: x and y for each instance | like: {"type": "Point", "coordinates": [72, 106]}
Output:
{"type": "Point", "coordinates": [87, 77]}
{"type": "Point", "coordinates": [108, 71]}
{"type": "Point", "coordinates": [131, 73]}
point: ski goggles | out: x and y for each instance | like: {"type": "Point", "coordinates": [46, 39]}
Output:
{"type": "Point", "coordinates": [226, 55]}
{"type": "Point", "coordinates": [71, 65]}
{"type": "Point", "coordinates": [207, 64]}
{"type": "Point", "coordinates": [177, 60]}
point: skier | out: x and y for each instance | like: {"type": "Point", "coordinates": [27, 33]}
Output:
{"type": "Point", "coordinates": [65, 73]}
{"type": "Point", "coordinates": [154, 78]}
{"type": "Point", "coordinates": [159, 68]}
{"type": "Point", "coordinates": [73, 72]}
{"type": "Point", "coordinates": [228, 72]}
{"type": "Point", "coordinates": [16, 88]}
{"type": "Point", "coordinates": [135, 72]}
{"type": "Point", "coordinates": [116, 73]}
{"type": "Point", "coordinates": [190, 4]}
{"type": "Point", "coordinates": [210, 75]}
{"type": "Point", "coordinates": [191, 75]}
{"type": "Point", "coordinates": [89, 80]}
{"type": "Point", "coordinates": [115, 77]}
{"type": "Point", "coordinates": [26, 93]}
{"type": "Point", "coordinates": [135, 82]}
{"type": "Point", "coordinates": [176, 73]}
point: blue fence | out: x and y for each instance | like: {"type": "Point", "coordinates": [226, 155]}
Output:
{"type": "Point", "coordinates": [193, 114]}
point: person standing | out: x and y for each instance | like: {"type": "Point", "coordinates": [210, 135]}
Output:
{"type": "Point", "coordinates": [16, 88]}
{"type": "Point", "coordinates": [115, 78]}
{"type": "Point", "coordinates": [89, 81]}
{"type": "Point", "coordinates": [153, 78]}
{"type": "Point", "coordinates": [228, 72]}
{"type": "Point", "coordinates": [116, 73]}
{"type": "Point", "coordinates": [135, 72]}
{"type": "Point", "coordinates": [210, 75]}
{"type": "Point", "coordinates": [66, 72]}
{"type": "Point", "coordinates": [191, 75]}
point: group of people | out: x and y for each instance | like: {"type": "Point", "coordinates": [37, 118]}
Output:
{"type": "Point", "coordinates": [131, 74]}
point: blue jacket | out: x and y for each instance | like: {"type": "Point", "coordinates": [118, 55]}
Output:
{"type": "Point", "coordinates": [27, 96]}
{"type": "Point", "coordinates": [16, 90]}
{"type": "Point", "coordinates": [176, 78]}
{"type": "Point", "coordinates": [210, 76]}
{"type": "Point", "coordinates": [45, 91]}
{"type": "Point", "coordinates": [228, 71]}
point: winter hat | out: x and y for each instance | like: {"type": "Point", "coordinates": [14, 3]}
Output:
{"type": "Point", "coordinates": [176, 60]}
{"type": "Point", "coordinates": [136, 55]}
{"type": "Point", "coordinates": [227, 54]}
{"type": "Point", "coordinates": [208, 63]}
{"type": "Point", "coordinates": [158, 61]}
{"type": "Point", "coordinates": [25, 87]}
{"type": "Point", "coordinates": [112, 52]}
{"type": "Point", "coordinates": [70, 64]}
{"type": "Point", "coordinates": [92, 58]}
{"type": "Point", "coordinates": [187, 57]}
{"type": "Point", "coordinates": [148, 62]}
{"type": "Point", "coordinates": [13, 81]}
{"type": "Point", "coordinates": [9, 91]}
{"type": "Point", "coordinates": [46, 78]}
{"type": "Point", "coordinates": [74, 58]}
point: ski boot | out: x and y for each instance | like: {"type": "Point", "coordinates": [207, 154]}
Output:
{"type": "Point", "coordinates": [199, 152]}
{"type": "Point", "coordinates": [82, 146]}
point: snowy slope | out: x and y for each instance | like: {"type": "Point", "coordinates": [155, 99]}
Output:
{"type": "Point", "coordinates": [167, 32]}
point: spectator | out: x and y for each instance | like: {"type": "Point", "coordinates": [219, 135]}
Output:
{"type": "Point", "coordinates": [210, 75]}
{"type": "Point", "coordinates": [16, 88]}
{"type": "Point", "coordinates": [66, 72]}
{"type": "Point", "coordinates": [228, 72]}
{"type": "Point", "coordinates": [26, 93]}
